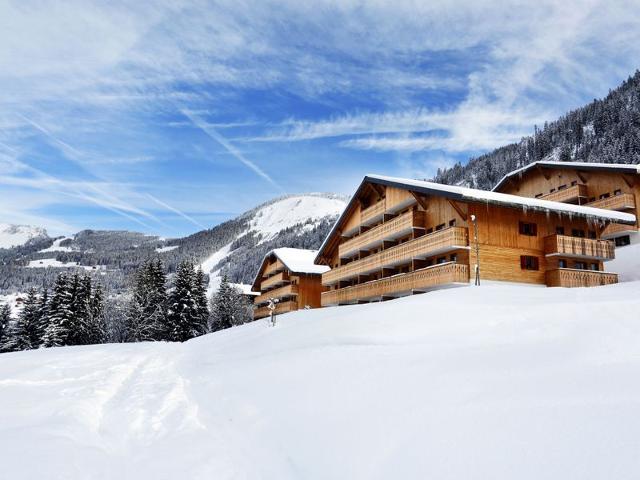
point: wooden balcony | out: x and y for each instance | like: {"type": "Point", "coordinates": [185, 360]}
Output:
{"type": "Point", "coordinates": [614, 230]}
{"type": "Point", "coordinates": [624, 201]}
{"type": "Point", "coordinates": [391, 230]}
{"type": "Point", "coordinates": [568, 277]}
{"type": "Point", "coordinates": [373, 213]}
{"type": "Point", "coordinates": [571, 194]}
{"type": "Point", "coordinates": [399, 285]}
{"type": "Point", "coordinates": [280, 292]}
{"type": "Point", "coordinates": [575, 247]}
{"type": "Point", "coordinates": [275, 267]}
{"type": "Point", "coordinates": [274, 281]}
{"type": "Point", "coordinates": [282, 307]}
{"type": "Point", "coordinates": [449, 239]}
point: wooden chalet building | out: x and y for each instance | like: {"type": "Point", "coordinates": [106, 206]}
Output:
{"type": "Point", "coordinates": [290, 276]}
{"type": "Point", "coordinates": [600, 185]}
{"type": "Point", "coordinates": [399, 236]}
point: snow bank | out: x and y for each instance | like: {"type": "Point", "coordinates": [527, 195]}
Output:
{"type": "Point", "coordinates": [166, 249]}
{"type": "Point", "coordinates": [53, 263]}
{"type": "Point", "coordinates": [497, 382]}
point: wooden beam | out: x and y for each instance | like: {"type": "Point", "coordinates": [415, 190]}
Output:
{"type": "Point", "coordinates": [541, 171]}
{"type": "Point", "coordinates": [422, 200]}
{"type": "Point", "coordinates": [458, 209]}
{"type": "Point", "coordinates": [581, 176]}
{"type": "Point", "coordinates": [630, 182]}
{"type": "Point", "coordinates": [379, 189]}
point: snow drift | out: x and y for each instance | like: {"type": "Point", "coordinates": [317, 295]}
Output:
{"type": "Point", "coordinates": [496, 381]}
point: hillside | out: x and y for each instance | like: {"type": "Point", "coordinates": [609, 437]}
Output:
{"type": "Point", "coordinates": [235, 246]}
{"type": "Point", "coordinates": [498, 382]}
{"type": "Point", "coordinates": [606, 130]}
{"type": "Point", "coordinates": [19, 235]}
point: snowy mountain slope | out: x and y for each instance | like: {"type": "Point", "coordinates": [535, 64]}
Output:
{"type": "Point", "coordinates": [16, 235]}
{"type": "Point", "coordinates": [497, 382]}
{"type": "Point", "coordinates": [291, 221]}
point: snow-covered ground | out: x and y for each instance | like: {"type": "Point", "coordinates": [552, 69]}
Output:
{"type": "Point", "coordinates": [53, 263]}
{"type": "Point", "coordinates": [167, 249]}
{"type": "Point", "coordinates": [491, 382]}
{"type": "Point", "coordinates": [56, 247]}
{"type": "Point", "coordinates": [16, 235]}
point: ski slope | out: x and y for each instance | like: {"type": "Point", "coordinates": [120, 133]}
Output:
{"type": "Point", "coordinates": [492, 382]}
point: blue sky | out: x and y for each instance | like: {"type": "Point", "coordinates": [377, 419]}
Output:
{"type": "Point", "coordinates": [168, 117]}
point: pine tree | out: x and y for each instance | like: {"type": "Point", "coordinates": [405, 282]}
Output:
{"type": "Point", "coordinates": [96, 331]}
{"type": "Point", "coordinates": [80, 310]}
{"type": "Point", "coordinates": [229, 307]}
{"type": "Point", "coordinates": [5, 322]}
{"type": "Point", "coordinates": [184, 316]}
{"type": "Point", "coordinates": [60, 317]}
{"type": "Point", "coordinates": [23, 332]}
{"type": "Point", "coordinates": [146, 315]}
{"type": "Point", "coordinates": [200, 288]}
{"type": "Point", "coordinates": [43, 315]}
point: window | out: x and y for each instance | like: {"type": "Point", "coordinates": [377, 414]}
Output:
{"type": "Point", "coordinates": [576, 232]}
{"type": "Point", "coordinates": [453, 257]}
{"type": "Point", "coordinates": [538, 195]}
{"type": "Point", "coordinates": [429, 230]}
{"type": "Point", "coordinates": [552, 190]}
{"type": "Point", "coordinates": [439, 227]}
{"type": "Point", "coordinates": [623, 241]}
{"type": "Point", "coordinates": [429, 262]}
{"type": "Point", "coordinates": [562, 187]}
{"type": "Point", "coordinates": [592, 234]}
{"type": "Point", "coordinates": [617, 192]}
{"type": "Point", "coordinates": [595, 267]}
{"type": "Point", "coordinates": [528, 262]}
{"type": "Point", "coordinates": [530, 229]}
{"type": "Point", "coordinates": [559, 230]}
{"type": "Point", "coordinates": [574, 183]}
{"type": "Point", "coordinates": [441, 260]}
{"type": "Point", "coordinates": [562, 263]}
{"type": "Point", "coordinates": [592, 199]}
{"type": "Point", "coordinates": [605, 195]}
{"type": "Point", "coordinates": [452, 223]}
{"type": "Point", "coordinates": [580, 266]}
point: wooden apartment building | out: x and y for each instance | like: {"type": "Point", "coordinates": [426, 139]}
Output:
{"type": "Point", "coordinates": [399, 236]}
{"type": "Point", "coordinates": [290, 276]}
{"type": "Point", "coordinates": [599, 185]}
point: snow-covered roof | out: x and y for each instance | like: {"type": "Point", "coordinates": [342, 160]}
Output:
{"type": "Point", "coordinates": [297, 260]}
{"type": "Point", "coordinates": [465, 194]}
{"type": "Point", "coordinates": [245, 289]}
{"type": "Point", "coordinates": [630, 169]}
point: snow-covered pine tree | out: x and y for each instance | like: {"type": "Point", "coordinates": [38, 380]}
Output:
{"type": "Point", "coordinates": [43, 315]}
{"type": "Point", "coordinates": [23, 332]}
{"type": "Point", "coordinates": [96, 328]}
{"type": "Point", "coordinates": [228, 307]}
{"type": "Point", "coordinates": [80, 309]}
{"type": "Point", "coordinates": [60, 317]}
{"type": "Point", "coordinates": [5, 321]}
{"type": "Point", "coordinates": [146, 315]}
{"type": "Point", "coordinates": [200, 288]}
{"type": "Point", "coordinates": [184, 318]}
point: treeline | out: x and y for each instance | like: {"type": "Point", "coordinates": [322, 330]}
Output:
{"type": "Point", "coordinates": [606, 131]}
{"type": "Point", "coordinates": [76, 312]}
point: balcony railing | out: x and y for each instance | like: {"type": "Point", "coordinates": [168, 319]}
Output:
{"type": "Point", "coordinates": [568, 277]}
{"type": "Point", "coordinates": [390, 230]}
{"type": "Point", "coordinates": [614, 230]}
{"type": "Point", "coordinates": [570, 194]}
{"type": "Point", "coordinates": [273, 268]}
{"type": "Point", "coordinates": [579, 247]}
{"type": "Point", "coordinates": [284, 291]}
{"type": "Point", "coordinates": [451, 238]}
{"type": "Point", "coordinates": [443, 274]}
{"type": "Point", "coordinates": [282, 307]}
{"type": "Point", "coordinates": [274, 281]}
{"type": "Point", "coordinates": [373, 213]}
{"type": "Point", "coordinates": [624, 201]}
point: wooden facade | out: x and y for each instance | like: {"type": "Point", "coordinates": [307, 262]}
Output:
{"type": "Point", "coordinates": [401, 237]}
{"type": "Point", "coordinates": [607, 186]}
{"type": "Point", "coordinates": [295, 285]}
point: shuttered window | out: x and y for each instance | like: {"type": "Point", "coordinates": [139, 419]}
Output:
{"type": "Point", "coordinates": [530, 229]}
{"type": "Point", "coordinates": [528, 262]}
